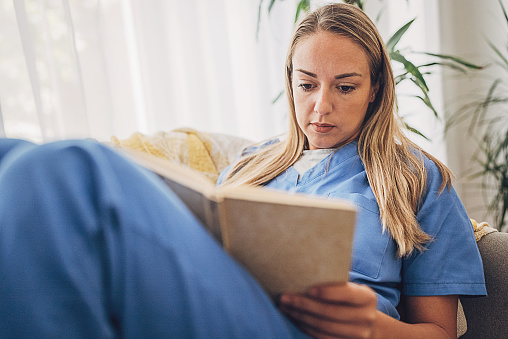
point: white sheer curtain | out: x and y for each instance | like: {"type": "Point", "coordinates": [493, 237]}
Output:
{"type": "Point", "coordinates": [96, 68]}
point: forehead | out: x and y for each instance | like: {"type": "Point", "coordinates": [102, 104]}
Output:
{"type": "Point", "coordinates": [325, 52]}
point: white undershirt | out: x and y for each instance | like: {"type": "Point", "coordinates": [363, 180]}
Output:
{"type": "Point", "coordinates": [311, 158]}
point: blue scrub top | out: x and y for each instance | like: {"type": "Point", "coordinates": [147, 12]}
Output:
{"type": "Point", "coordinates": [450, 264]}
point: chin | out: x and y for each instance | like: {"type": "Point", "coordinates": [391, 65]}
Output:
{"type": "Point", "coordinates": [320, 144]}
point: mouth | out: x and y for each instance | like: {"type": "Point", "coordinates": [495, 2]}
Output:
{"type": "Point", "coordinates": [322, 127]}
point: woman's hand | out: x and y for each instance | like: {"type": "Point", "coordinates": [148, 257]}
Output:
{"type": "Point", "coordinates": [333, 311]}
{"type": "Point", "coordinates": [349, 311]}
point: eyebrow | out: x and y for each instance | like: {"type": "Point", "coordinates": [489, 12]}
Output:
{"type": "Point", "coordinates": [340, 76]}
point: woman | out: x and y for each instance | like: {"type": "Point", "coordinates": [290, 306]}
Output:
{"type": "Point", "coordinates": [341, 96]}
{"type": "Point", "coordinates": [91, 245]}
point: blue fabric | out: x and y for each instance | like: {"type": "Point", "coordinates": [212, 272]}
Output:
{"type": "Point", "coordinates": [91, 246]}
{"type": "Point", "coordinates": [451, 264]}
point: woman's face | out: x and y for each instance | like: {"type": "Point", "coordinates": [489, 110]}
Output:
{"type": "Point", "coordinates": [331, 88]}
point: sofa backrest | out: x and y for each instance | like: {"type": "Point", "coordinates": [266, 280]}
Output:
{"type": "Point", "coordinates": [487, 317]}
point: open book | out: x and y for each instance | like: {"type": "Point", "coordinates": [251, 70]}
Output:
{"type": "Point", "coordinates": [287, 241]}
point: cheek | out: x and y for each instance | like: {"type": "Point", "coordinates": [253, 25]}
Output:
{"type": "Point", "coordinates": [300, 107]}
{"type": "Point", "coordinates": [300, 118]}
{"type": "Point", "coordinates": [359, 108]}
{"type": "Point", "coordinates": [302, 104]}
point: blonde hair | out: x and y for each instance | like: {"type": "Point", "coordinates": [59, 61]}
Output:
{"type": "Point", "coordinates": [394, 165]}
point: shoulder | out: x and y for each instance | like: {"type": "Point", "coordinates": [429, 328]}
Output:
{"type": "Point", "coordinates": [433, 170]}
{"type": "Point", "coordinates": [439, 206]}
{"type": "Point", "coordinates": [433, 173]}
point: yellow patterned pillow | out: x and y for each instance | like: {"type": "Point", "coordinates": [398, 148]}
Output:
{"type": "Point", "coordinates": [208, 153]}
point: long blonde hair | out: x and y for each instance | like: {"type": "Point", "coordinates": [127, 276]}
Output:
{"type": "Point", "coordinates": [394, 165]}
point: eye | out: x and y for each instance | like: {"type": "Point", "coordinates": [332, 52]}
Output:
{"type": "Point", "coordinates": [306, 87]}
{"type": "Point", "coordinates": [346, 89]}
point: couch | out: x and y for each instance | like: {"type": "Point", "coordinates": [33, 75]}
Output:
{"type": "Point", "coordinates": [488, 317]}
{"type": "Point", "coordinates": [210, 153]}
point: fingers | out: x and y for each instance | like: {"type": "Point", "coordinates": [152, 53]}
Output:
{"type": "Point", "coordinates": [318, 326]}
{"type": "Point", "coordinates": [338, 311]}
{"type": "Point", "coordinates": [348, 293]}
{"type": "Point", "coordinates": [333, 311]}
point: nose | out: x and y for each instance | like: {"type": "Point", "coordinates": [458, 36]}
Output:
{"type": "Point", "coordinates": [323, 103]}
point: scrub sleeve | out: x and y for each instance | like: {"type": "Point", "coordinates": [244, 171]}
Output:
{"type": "Point", "coordinates": [92, 246]}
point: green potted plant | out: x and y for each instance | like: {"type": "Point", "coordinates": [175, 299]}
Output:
{"type": "Point", "coordinates": [488, 127]}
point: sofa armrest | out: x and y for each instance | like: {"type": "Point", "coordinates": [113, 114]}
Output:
{"type": "Point", "coordinates": [487, 317]}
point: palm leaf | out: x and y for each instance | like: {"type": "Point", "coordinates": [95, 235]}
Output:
{"type": "Point", "coordinates": [444, 64]}
{"type": "Point", "coordinates": [304, 6]}
{"type": "Point", "coordinates": [409, 67]}
{"type": "Point", "coordinates": [380, 14]}
{"type": "Point", "coordinates": [482, 108]}
{"type": "Point", "coordinates": [454, 59]}
{"type": "Point", "coordinates": [395, 38]}
{"type": "Point", "coordinates": [259, 18]}
{"type": "Point", "coordinates": [358, 3]}
{"type": "Point", "coordinates": [401, 77]}
{"type": "Point", "coordinates": [277, 97]}
{"type": "Point", "coordinates": [272, 2]}
{"type": "Point", "coordinates": [499, 54]}
{"type": "Point", "coordinates": [504, 11]}
{"type": "Point", "coordinates": [494, 164]}
{"type": "Point", "coordinates": [415, 131]}
{"type": "Point", "coordinates": [428, 103]}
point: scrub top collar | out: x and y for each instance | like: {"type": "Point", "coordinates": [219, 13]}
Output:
{"type": "Point", "coordinates": [331, 161]}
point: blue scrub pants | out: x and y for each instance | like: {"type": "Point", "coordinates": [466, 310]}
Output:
{"type": "Point", "coordinates": [92, 246]}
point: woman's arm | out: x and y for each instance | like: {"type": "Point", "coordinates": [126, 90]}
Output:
{"type": "Point", "coordinates": [349, 311]}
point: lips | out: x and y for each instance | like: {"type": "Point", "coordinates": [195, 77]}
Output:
{"type": "Point", "coordinates": [322, 128]}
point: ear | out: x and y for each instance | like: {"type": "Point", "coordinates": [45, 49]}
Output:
{"type": "Point", "coordinates": [373, 91]}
